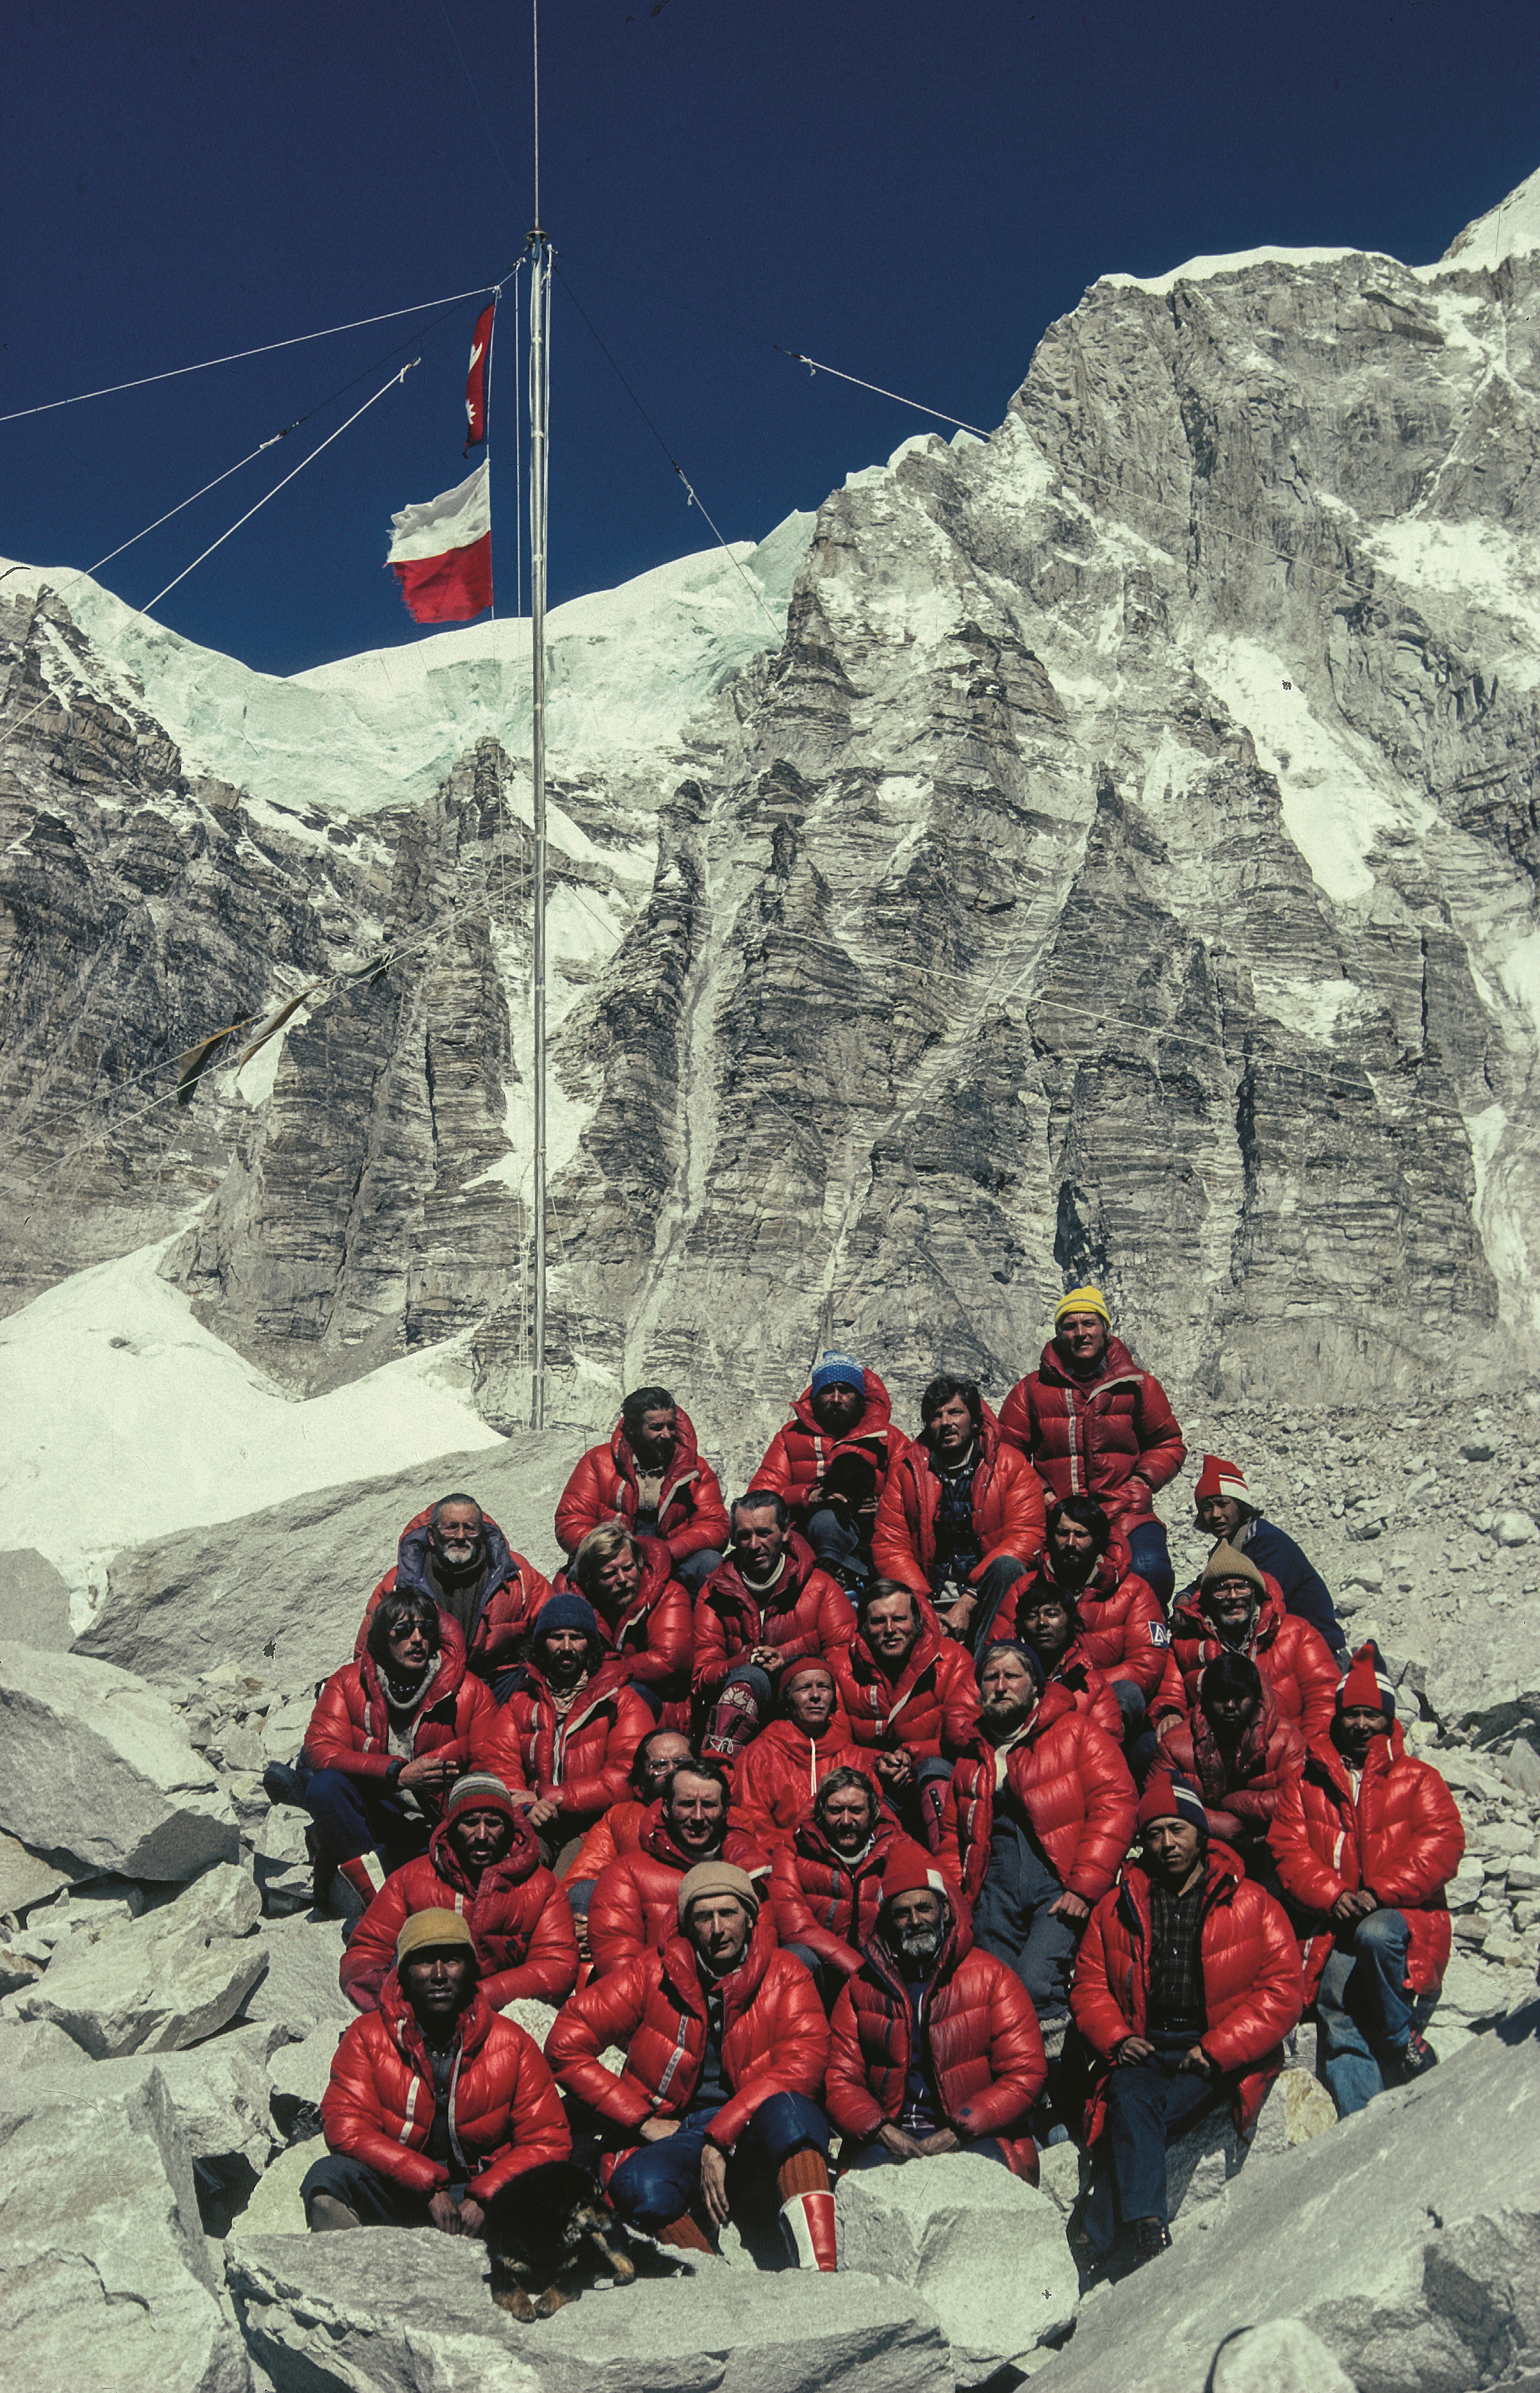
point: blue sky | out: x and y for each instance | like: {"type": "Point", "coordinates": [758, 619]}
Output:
{"type": "Point", "coordinates": [911, 192]}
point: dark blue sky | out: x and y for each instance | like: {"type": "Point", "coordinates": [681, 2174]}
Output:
{"type": "Point", "coordinates": [910, 191]}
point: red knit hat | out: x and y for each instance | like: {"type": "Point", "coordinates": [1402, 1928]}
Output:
{"type": "Point", "coordinates": [910, 1870]}
{"type": "Point", "coordinates": [1220, 1478]}
{"type": "Point", "coordinates": [1366, 1684]}
{"type": "Point", "coordinates": [1169, 1798]}
{"type": "Point", "coordinates": [799, 1669]}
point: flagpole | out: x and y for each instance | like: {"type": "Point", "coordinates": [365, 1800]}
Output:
{"type": "Point", "coordinates": [540, 396]}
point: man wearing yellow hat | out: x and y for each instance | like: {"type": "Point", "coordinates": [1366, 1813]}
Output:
{"type": "Point", "coordinates": [1091, 1421]}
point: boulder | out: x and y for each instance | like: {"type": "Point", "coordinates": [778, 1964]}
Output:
{"type": "Point", "coordinates": [1408, 2241]}
{"type": "Point", "coordinates": [25, 1879]}
{"type": "Point", "coordinates": [1515, 1529]}
{"type": "Point", "coordinates": [1283, 2357]}
{"type": "Point", "coordinates": [28, 2046]}
{"type": "Point", "coordinates": [218, 2093]}
{"type": "Point", "coordinates": [301, 1987]}
{"type": "Point", "coordinates": [34, 1603]}
{"type": "Point", "coordinates": [109, 2281]}
{"type": "Point", "coordinates": [156, 1985]}
{"type": "Point", "coordinates": [96, 1775]}
{"type": "Point", "coordinates": [275, 2207]}
{"type": "Point", "coordinates": [985, 2251]}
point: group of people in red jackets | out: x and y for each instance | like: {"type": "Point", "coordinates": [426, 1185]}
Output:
{"type": "Point", "coordinates": [903, 1808]}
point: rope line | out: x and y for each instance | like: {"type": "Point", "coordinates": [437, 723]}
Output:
{"type": "Point", "coordinates": [816, 366]}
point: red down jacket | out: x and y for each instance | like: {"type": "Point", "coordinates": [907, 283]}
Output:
{"type": "Point", "coordinates": [350, 1726]}
{"type": "Point", "coordinates": [653, 1636]}
{"type": "Point", "coordinates": [1123, 1631]}
{"type": "Point", "coordinates": [1270, 1754]}
{"type": "Point", "coordinates": [514, 1593]}
{"type": "Point", "coordinates": [613, 1833]}
{"type": "Point", "coordinates": [1403, 1839]}
{"type": "Point", "coordinates": [636, 1900]}
{"type": "Point", "coordinates": [582, 1762]}
{"type": "Point", "coordinates": [986, 2049]}
{"type": "Point", "coordinates": [1072, 1782]}
{"type": "Point", "coordinates": [505, 2114]}
{"type": "Point", "coordinates": [1252, 1989]}
{"type": "Point", "coordinates": [774, 2038]}
{"type": "Point", "coordinates": [931, 1708]}
{"type": "Point", "coordinates": [806, 1613]}
{"type": "Point", "coordinates": [799, 1454]}
{"type": "Point", "coordinates": [777, 1776]}
{"type": "Point", "coordinates": [1294, 1658]}
{"type": "Point", "coordinates": [1114, 1437]}
{"type": "Point", "coordinates": [522, 1923]}
{"type": "Point", "coordinates": [691, 1514]}
{"type": "Point", "coordinates": [1008, 1511]}
{"type": "Point", "coordinates": [823, 1901]}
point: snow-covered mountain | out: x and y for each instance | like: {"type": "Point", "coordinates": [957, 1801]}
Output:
{"type": "Point", "coordinates": [1108, 848]}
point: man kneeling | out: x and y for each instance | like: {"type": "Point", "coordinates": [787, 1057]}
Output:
{"type": "Point", "coordinates": [442, 2113]}
{"type": "Point", "coordinates": [725, 2043]}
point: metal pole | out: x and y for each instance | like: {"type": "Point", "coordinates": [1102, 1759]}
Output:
{"type": "Point", "coordinates": [538, 401]}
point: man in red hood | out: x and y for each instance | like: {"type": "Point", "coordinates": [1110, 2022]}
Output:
{"type": "Point", "coordinates": [652, 1476]}
{"type": "Point", "coordinates": [832, 1460]}
{"type": "Point", "coordinates": [1092, 1421]}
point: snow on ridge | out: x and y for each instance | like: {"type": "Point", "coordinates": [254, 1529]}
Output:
{"type": "Point", "coordinates": [1509, 229]}
{"type": "Point", "coordinates": [1207, 269]}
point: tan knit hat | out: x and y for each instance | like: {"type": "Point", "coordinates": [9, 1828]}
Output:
{"type": "Point", "coordinates": [1226, 1562]}
{"type": "Point", "coordinates": [433, 1931]}
{"type": "Point", "coordinates": [716, 1878]}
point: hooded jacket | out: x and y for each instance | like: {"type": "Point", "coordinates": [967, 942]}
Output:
{"type": "Point", "coordinates": [799, 1454]}
{"type": "Point", "coordinates": [1294, 1659]}
{"type": "Point", "coordinates": [525, 1945]}
{"type": "Point", "coordinates": [653, 1634]}
{"type": "Point", "coordinates": [824, 1901]}
{"type": "Point", "coordinates": [775, 2038]}
{"type": "Point", "coordinates": [691, 1514]}
{"type": "Point", "coordinates": [1253, 1991]}
{"type": "Point", "coordinates": [1071, 1783]}
{"type": "Point", "coordinates": [1123, 1631]}
{"type": "Point", "coordinates": [777, 1776]}
{"type": "Point", "coordinates": [504, 2113]}
{"type": "Point", "coordinates": [350, 1726]}
{"type": "Point", "coordinates": [1271, 1753]}
{"type": "Point", "coordinates": [1402, 1839]}
{"type": "Point", "coordinates": [582, 1762]}
{"type": "Point", "coordinates": [805, 1614]}
{"type": "Point", "coordinates": [1008, 1511]}
{"type": "Point", "coordinates": [1114, 1437]}
{"type": "Point", "coordinates": [512, 1595]}
{"type": "Point", "coordinates": [986, 2048]}
{"type": "Point", "coordinates": [636, 1900]}
{"type": "Point", "coordinates": [931, 1708]}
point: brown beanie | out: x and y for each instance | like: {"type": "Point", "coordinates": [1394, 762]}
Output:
{"type": "Point", "coordinates": [433, 1931]}
{"type": "Point", "coordinates": [716, 1878]}
{"type": "Point", "coordinates": [1226, 1562]}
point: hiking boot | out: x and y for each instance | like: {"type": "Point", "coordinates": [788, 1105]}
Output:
{"type": "Point", "coordinates": [1416, 2062]}
{"type": "Point", "coordinates": [1147, 2238]}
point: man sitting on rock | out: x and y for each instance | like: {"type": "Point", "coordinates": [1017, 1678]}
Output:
{"type": "Point", "coordinates": [1239, 1756]}
{"type": "Point", "coordinates": [441, 2113]}
{"type": "Point", "coordinates": [454, 1554]}
{"type": "Point", "coordinates": [826, 1885]}
{"type": "Point", "coordinates": [1366, 1841]}
{"type": "Point", "coordinates": [1238, 1610]}
{"type": "Point", "coordinates": [961, 1516]}
{"type": "Point", "coordinates": [643, 1613]}
{"type": "Point", "coordinates": [768, 1604]}
{"type": "Point", "coordinates": [483, 1860]}
{"type": "Point", "coordinates": [908, 1692]}
{"type": "Point", "coordinates": [726, 2045]}
{"type": "Point", "coordinates": [1093, 1423]}
{"type": "Point", "coordinates": [1039, 1815]}
{"type": "Point", "coordinates": [1122, 1631]}
{"type": "Point", "coordinates": [1187, 1981]}
{"type": "Point", "coordinates": [843, 1416]}
{"type": "Point", "coordinates": [636, 1899]}
{"type": "Point", "coordinates": [1225, 1509]}
{"type": "Point", "coordinates": [652, 1477]}
{"type": "Point", "coordinates": [389, 1735]}
{"type": "Point", "coordinates": [779, 1776]}
{"type": "Point", "coordinates": [569, 1732]}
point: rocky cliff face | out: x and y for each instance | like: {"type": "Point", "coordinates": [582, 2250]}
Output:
{"type": "Point", "coordinates": [1124, 865]}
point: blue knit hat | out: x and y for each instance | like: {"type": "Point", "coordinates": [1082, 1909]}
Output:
{"type": "Point", "coordinates": [1013, 1645]}
{"type": "Point", "coordinates": [837, 1372]}
{"type": "Point", "coordinates": [565, 1612]}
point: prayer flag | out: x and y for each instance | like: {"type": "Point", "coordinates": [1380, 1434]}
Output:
{"type": "Point", "coordinates": [476, 379]}
{"type": "Point", "coordinates": [441, 552]}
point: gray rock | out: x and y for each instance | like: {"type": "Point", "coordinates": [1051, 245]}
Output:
{"type": "Point", "coordinates": [275, 2207]}
{"type": "Point", "coordinates": [18, 1969]}
{"type": "Point", "coordinates": [1405, 2240]}
{"type": "Point", "coordinates": [25, 1879]}
{"type": "Point", "coordinates": [1521, 1768]}
{"type": "Point", "coordinates": [96, 1772]}
{"type": "Point", "coordinates": [1477, 1449]}
{"type": "Point", "coordinates": [34, 1603]}
{"type": "Point", "coordinates": [156, 1985]}
{"type": "Point", "coordinates": [985, 2251]}
{"type": "Point", "coordinates": [28, 2046]}
{"type": "Point", "coordinates": [300, 1986]}
{"type": "Point", "coordinates": [301, 2072]}
{"type": "Point", "coordinates": [108, 2280]}
{"type": "Point", "coordinates": [218, 2094]}
{"type": "Point", "coordinates": [1283, 2357]}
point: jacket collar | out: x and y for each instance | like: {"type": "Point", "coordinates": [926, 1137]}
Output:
{"type": "Point", "coordinates": [473, 2026]}
{"type": "Point", "coordinates": [683, 1969]}
{"type": "Point", "coordinates": [518, 1862]}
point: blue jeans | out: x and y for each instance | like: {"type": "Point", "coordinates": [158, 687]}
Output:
{"type": "Point", "coordinates": [1150, 1557]}
{"type": "Point", "coordinates": [877, 2155]}
{"type": "Point", "coordinates": [657, 2183]}
{"type": "Point", "coordinates": [1140, 1744]}
{"type": "Point", "coordinates": [1362, 2011]}
{"type": "Point", "coordinates": [1013, 1919]}
{"type": "Point", "coordinates": [696, 1569]}
{"type": "Point", "coordinates": [836, 1543]}
{"type": "Point", "coordinates": [360, 1815]}
{"type": "Point", "coordinates": [992, 1588]}
{"type": "Point", "coordinates": [1146, 2107]}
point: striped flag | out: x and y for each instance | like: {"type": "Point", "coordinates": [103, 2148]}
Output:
{"type": "Point", "coordinates": [441, 552]}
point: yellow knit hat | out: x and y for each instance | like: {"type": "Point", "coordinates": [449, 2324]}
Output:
{"type": "Point", "coordinates": [1082, 1300]}
{"type": "Point", "coordinates": [433, 1931]}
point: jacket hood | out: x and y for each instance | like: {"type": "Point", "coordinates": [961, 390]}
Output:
{"type": "Point", "coordinates": [800, 1563]}
{"type": "Point", "coordinates": [871, 1422]}
{"type": "Point", "coordinates": [411, 1556]}
{"type": "Point", "coordinates": [1189, 1619]}
{"type": "Point", "coordinates": [655, 1838]}
{"type": "Point", "coordinates": [445, 1681]}
{"type": "Point", "coordinates": [474, 2024]}
{"type": "Point", "coordinates": [687, 1452]}
{"type": "Point", "coordinates": [1112, 1568]}
{"type": "Point", "coordinates": [1224, 1872]}
{"type": "Point", "coordinates": [814, 1845]}
{"type": "Point", "coordinates": [682, 1969]}
{"type": "Point", "coordinates": [1384, 1753]}
{"type": "Point", "coordinates": [988, 1437]}
{"type": "Point", "coordinates": [882, 1962]}
{"type": "Point", "coordinates": [520, 1861]}
{"type": "Point", "coordinates": [1116, 1364]}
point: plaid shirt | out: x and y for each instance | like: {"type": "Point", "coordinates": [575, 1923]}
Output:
{"type": "Point", "coordinates": [1176, 2006]}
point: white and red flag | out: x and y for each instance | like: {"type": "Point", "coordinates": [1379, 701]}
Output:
{"type": "Point", "coordinates": [441, 552]}
{"type": "Point", "coordinates": [476, 379]}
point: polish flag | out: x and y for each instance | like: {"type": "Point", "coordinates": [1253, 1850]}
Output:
{"type": "Point", "coordinates": [441, 552]}
{"type": "Point", "coordinates": [476, 380]}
